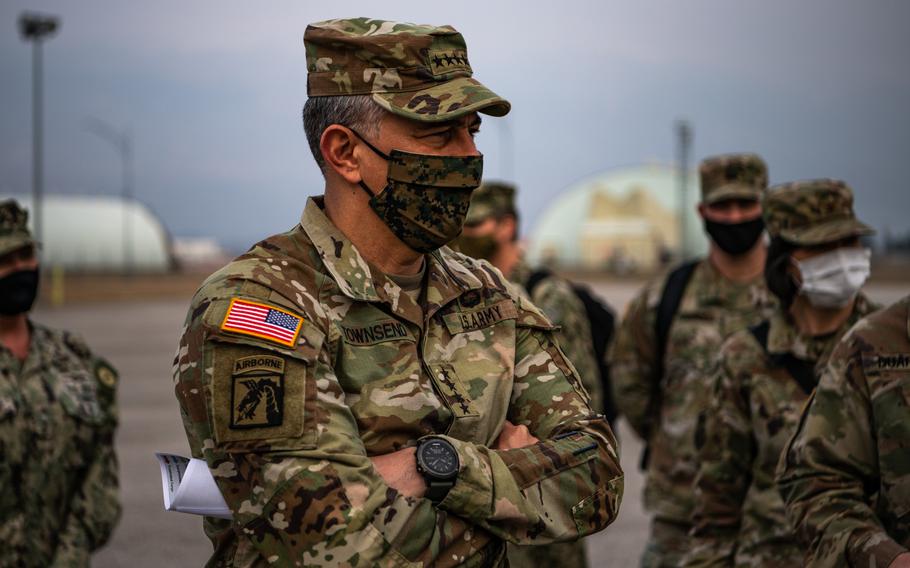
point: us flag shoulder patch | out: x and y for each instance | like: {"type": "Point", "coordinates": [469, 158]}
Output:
{"type": "Point", "coordinates": [263, 321]}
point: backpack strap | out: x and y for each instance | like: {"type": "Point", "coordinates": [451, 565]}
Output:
{"type": "Point", "coordinates": [670, 299]}
{"type": "Point", "coordinates": [802, 371]}
{"type": "Point", "coordinates": [760, 333]}
{"type": "Point", "coordinates": [602, 323]}
{"type": "Point", "coordinates": [536, 278]}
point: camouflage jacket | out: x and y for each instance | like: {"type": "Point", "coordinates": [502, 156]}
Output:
{"type": "Point", "coordinates": [712, 307]}
{"type": "Point", "coordinates": [845, 475]}
{"type": "Point", "coordinates": [739, 517]}
{"type": "Point", "coordinates": [59, 471]}
{"type": "Point", "coordinates": [287, 427]}
{"type": "Point", "coordinates": [554, 295]}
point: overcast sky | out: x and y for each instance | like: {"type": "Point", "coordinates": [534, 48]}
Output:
{"type": "Point", "coordinates": [212, 93]}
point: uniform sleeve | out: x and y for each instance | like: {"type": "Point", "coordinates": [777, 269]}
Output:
{"type": "Point", "coordinates": [632, 367]}
{"type": "Point", "coordinates": [296, 476]}
{"type": "Point", "coordinates": [829, 474]}
{"type": "Point", "coordinates": [557, 300]}
{"type": "Point", "coordinates": [95, 508]}
{"type": "Point", "coordinates": [725, 463]}
{"type": "Point", "coordinates": [566, 486]}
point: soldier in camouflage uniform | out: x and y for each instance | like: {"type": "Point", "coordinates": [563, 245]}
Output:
{"type": "Point", "coordinates": [726, 292]}
{"type": "Point", "coordinates": [845, 475]}
{"type": "Point", "coordinates": [764, 376]}
{"type": "Point", "coordinates": [491, 233]}
{"type": "Point", "coordinates": [58, 470]}
{"type": "Point", "coordinates": [363, 395]}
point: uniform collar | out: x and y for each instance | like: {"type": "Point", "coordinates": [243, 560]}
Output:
{"type": "Point", "coordinates": [357, 279]}
{"type": "Point", "coordinates": [784, 337]}
{"type": "Point", "coordinates": [39, 345]}
{"type": "Point", "coordinates": [715, 289]}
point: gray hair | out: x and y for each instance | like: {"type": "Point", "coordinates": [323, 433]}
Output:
{"type": "Point", "coordinates": [357, 112]}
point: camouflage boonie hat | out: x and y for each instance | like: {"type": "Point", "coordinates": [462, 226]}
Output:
{"type": "Point", "coordinates": [732, 176]}
{"type": "Point", "coordinates": [14, 231]}
{"type": "Point", "coordinates": [491, 199]}
{"type": "Point", "coordinates": [415, 71]}
{"type": "Point", "coordinates": [812, 212]}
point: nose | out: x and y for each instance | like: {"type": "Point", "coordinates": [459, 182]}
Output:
{"type": "Point", "coordinates": [735, 213]}
{"type": "Point", "coordinates": [23, 261]}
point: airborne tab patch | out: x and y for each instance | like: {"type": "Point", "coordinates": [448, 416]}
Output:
{"type": "Point", "coordinates": [257, 393]}
{"type": "Point", "coordinates": [448, 61]}
{"type": "Point", "coordinates": [263, 321]}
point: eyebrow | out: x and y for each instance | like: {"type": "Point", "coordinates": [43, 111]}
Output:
{"type": "Point", "coordinates": [450, 123]}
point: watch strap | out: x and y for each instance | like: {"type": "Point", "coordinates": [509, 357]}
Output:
{"type": "Point", "coordinates": [438, 489]}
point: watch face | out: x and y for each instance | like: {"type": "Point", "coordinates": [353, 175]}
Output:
{"type": "Point", "coordinates": [438, 458]}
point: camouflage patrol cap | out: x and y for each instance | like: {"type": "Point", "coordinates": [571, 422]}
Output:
{"type": "Point", "coordinates": [14, 232]}
{"type": "Point", "coordinates": [732, 176]}
{"type": "Point", "coordinates": [416, 71]}
{"type": "Point", "coordinates": [812, 212]}
{"type": "Point", "coordinates": [491, 199]}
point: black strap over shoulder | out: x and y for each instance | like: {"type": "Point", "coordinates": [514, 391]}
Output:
{"type": "Point", "coordinates": [802, 371]}
{"type": "Point", "coordinates": [670, 298]}
{"type": "Point", "coordinates": [535, 278]}
{"type": "Point", "coordinates": [602, 322]}
{"type": "Point", "coordinates": [760, 332]}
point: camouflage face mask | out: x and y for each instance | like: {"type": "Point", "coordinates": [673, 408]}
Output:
{"type": "Point", "coordinates": [426, 199]}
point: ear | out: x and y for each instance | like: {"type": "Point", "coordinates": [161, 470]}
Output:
{"type": "Point", "coordinates": [506, 229]}
{"type": "Point", "coordinates": [339, 150]}
{"type": "Point", "coordinates": [793, 270]}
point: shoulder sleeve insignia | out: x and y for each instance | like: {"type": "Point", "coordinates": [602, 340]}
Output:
{"type": "Point", "coordinates": [257, 392]}
{"type": "Point", "coordinates": [263, 321]}
{"type": "Point", "coordinates": [105, 374]}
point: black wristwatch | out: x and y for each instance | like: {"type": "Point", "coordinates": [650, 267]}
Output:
{"type": "Point", "coordinates": [437, 461]}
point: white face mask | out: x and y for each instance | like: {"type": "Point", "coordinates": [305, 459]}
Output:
{"type": "Point", "coordinates": [832, 279]}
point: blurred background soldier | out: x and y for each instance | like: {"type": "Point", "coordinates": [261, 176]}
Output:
{"type": "Point", "coordinates": [491, 233]}
{"type": "Point", "coordinates": [845, 475]}
{"type": "Point", "coordinates": [57, 419]}
{"type": "Point", "coordinates": [672, 331]}
{"type": "Point", "coordinates": [764, 374]}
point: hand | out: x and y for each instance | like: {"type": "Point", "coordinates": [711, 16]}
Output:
{"type": "Point", "coordinates": [901, 561]}
{"type": "Point", "coordinates": [513, 436]}
{"type": "Point", "coordinates": [399, 471]}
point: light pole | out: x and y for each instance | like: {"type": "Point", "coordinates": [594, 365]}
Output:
{"type": "Point", "coordinates": [122, 141]}
{"type": "Point", "coordinates": [37, 28]}
{"type": "Point", "coordinates": [684, 134]}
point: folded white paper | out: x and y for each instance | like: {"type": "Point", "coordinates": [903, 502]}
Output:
{"type": "Point", "coordinates": [189, 487]}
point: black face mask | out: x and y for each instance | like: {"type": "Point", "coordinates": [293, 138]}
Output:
{"type": "Point", "coordinates": [18, 291]}
{"type": "Point", "coordinates": [735, 238]}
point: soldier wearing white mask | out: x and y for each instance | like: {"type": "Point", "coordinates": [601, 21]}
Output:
{"type": "Point", "coordinates": [815, 259]}
{"type": "Point", "coordinates": [763, 375]}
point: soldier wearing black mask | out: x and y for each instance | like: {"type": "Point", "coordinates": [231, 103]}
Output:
{"type": "Point", "coordinates": [660, 373]}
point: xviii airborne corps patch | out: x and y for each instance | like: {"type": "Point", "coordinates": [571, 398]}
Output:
{"type": "Point", "coordinates": [257, 392]}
